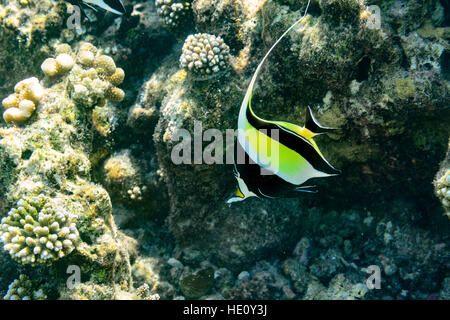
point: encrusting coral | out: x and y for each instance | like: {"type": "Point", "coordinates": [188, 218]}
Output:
{"type": "Point", "coordinates": [35, 233]}
{"type": "Point", "coordinates": [23, 288]}
{"type": "Point", "coordinates": [205, 54]}
{"type": "Point", "coordinates": [21, 104]}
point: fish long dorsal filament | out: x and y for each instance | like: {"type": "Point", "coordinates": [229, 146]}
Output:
{"type": "Point", "coordinates": [248, 95]}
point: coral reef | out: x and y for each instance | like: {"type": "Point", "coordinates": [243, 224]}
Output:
{"type": "Point", "coordinates": [36, 233]}
{"type": "Point", "coordinates": [59, 209]}
{"type": "Point", "coordinates": [354, 77]}
{"type": "Point", "coordinates": [99, 161]}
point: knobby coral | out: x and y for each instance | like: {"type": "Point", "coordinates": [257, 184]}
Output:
{"type": "Point", "coordinates": [21, 104]}
{"type": "Point", "coordinates": [205, 54]}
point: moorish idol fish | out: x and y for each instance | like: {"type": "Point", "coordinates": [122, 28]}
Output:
{"type": "Point", "coordinates": [114, 6]}
{"type": "Point", "coordinates": [279, 157]}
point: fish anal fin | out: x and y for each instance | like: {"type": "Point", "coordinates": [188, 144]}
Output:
{"type": "Point", "coordinates": [313, 125]}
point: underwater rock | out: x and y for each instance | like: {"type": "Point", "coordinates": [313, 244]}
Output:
{"type": "Point", "coordinates": [299, 275]}
{"type": "Point", "coordinates": [196, 284]}
{"type": "Point", "coordinates": [340, 288]}
{"type": "Point", "coordinates": [262, 283]}
{"type": "Point", "coordinates": [445, 292]}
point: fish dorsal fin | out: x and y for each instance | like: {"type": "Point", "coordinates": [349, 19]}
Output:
{"type": "Point", "coordinates": [116, 5]}
{"type": "Point", "coordinates": [313, 125]}
{"type": "Point", "coordinates": [290, 126]}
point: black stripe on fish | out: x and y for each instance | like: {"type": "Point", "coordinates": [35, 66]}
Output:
{"type": "Point", "coordinates": [268, 185]}
{"type": "Point", "coordinates": [116, 5]}
{"type": "Point", "coordinates": [294, 142]}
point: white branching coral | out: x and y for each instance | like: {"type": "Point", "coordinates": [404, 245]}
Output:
{"type": "Point", "coordinates": [205, 54]}
{"type": "Point", "coordinates": [35, 233]}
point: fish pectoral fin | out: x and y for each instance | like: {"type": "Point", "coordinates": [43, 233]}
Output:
{"type": "Point", "coordinates": [313, 125]}
{"type": "Point", "coordinates": [82, 5]}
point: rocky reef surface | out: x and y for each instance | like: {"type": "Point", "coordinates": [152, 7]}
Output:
{"type": "Point", "coordinates": [89, 185]}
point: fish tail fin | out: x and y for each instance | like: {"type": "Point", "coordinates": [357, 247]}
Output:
{"type": "Point", "coordinates": [313, 125]}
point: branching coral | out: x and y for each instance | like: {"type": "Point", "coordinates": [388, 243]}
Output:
{"type": "Point", "coordinates": [173, 12]}
{"type": "Point", "coordinates": [205, 54]}
{"type": "Point", "coordinates": [36, 233]}
{"type": "Point", "coordinates": [21, 104]}
{"type": "Point", "coordinates": [24, 289]}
